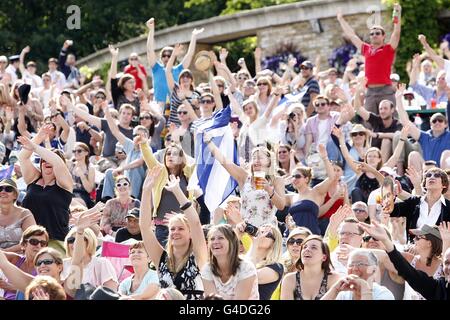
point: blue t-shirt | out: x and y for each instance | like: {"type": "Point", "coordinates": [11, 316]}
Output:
{"type": "Point", "coordinates": [433, 147]}
{"type": "Point", "coordinates": [160, 82]}
{"type": "Point", "coordinates": [151, 277]}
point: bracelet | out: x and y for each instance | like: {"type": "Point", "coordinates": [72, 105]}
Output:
{"type": "Point", "coordinates": [186, 206]}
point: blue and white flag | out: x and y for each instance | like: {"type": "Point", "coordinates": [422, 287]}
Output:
{"type": "Point", "coordinates": [6, 172]}
{"type": "Point", "coordinates": [215, 182]}
{"type": "Point", "coordinates": [291, 98]}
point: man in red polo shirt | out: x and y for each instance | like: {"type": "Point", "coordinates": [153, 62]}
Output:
{"type": "Point", "coordinates": [379, 58]}
{"type": "Point", "coordinates": [134, 68]}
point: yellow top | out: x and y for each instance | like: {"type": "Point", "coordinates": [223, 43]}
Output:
{"type": "Point", "coordinates": [163, 178]}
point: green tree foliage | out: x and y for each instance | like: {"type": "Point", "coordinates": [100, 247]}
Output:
{"type": "Point", "coordinates": [242, 48]}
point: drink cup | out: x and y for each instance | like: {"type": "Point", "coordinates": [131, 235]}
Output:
{"type": "Point", "coordinates": [259, 177]}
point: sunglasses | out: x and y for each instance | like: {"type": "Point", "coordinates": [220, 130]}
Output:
{"type": "Point", "coordinates": [124, 184]}
{"type": "Point", "coordinates": [296, 241]}
{"type": "Point", "coordinates": [35, 242]}
{"type": "Point", "coordinates": [359, 210]}
{"type": "Point", "coordinates": [355, 134]}
{"type": "Point", "coordinates": [133, 59]}
{"type": "Point", "coordinates": [100, 97]}
{"type": "Point", "coordinates": [8, 189]}
{"type": "Point", "coordinates": [186, 75]}
{"type": "Point", "coordinates": [368, 238]}
{"type": "Point", "coordinates": [165, 56]}
{"type": "Point", "coordinates": [420, 237]}
{"type": "Point", "coordinates": [376, 33]}
{"type": "Point", "coordinates": [433, 174]}
{"type": "Point", "coordinates": [262, 84]}
{"type": "Point", "coordinates": [321, 104]}
{"type": "Point", "coordinates": [438, 120]}
{"type": "Point", "coordinates": [206, 101]}
{"type": "Point", "coordinates": [270, 236]}
{"type": "Point", "coordinates": [77, 151]}
{"type": "Point", "coordinates": [182, 112]}
{"type": "Point", "coordinates": [145, 118]}
{"type": "Point", "coordinates": [47, 262]}
{"type": "Point", "coordinates": [297, 176]}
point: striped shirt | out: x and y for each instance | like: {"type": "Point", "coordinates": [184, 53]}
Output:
{"type": "Point", "coordinates": [175, 102]}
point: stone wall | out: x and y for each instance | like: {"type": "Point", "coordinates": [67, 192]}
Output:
{"type": "Point", "coordinates": [311, 43]}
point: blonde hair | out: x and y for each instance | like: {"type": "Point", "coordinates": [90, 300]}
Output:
{"type": "Point", "coordinates": [89, 236]}
{"type": "Point", "coordinates": [171, 264]}
{"type": "Point", "coordinates": [274, 254]}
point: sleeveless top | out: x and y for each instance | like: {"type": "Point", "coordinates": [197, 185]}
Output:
{"type": "Point", "coordinates": [257, 208]}
{"type": "Point", "coordinates": [50, 208]}
{"type": "Point", "coordinates": [18, 295]}
{"type": "Point", "coordinates": [266, 289]}
{"type": "Point", "coordinates": [188, 280]}
{"type": "Point", "coordinates": [305, 214]}
{"type": "Point", "coordinates": [11, 234]}
{"type": "Point", "coordinates": [410, 293]}
{"type": "Point", "coordinates": [397, 289]}
{"type": "Point", "coordinates": [298, 288]}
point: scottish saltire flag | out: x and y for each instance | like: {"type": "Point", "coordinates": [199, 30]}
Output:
{"type": "Point", "coordinates": [215, 182]}
{"type": "Point", "coordinates": [292, 97]}
{"type": "Point", "coordinates": [6, 173]}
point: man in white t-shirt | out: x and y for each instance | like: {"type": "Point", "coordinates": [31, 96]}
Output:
{"type": "Point", "coordinates": [359, 284]}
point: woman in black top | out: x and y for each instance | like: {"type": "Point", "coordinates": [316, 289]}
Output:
{"type": "Point", "coordinates": [50, 187]}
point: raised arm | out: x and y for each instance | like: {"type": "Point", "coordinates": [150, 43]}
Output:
{"type": "Point", "coordinates": [323, 187]}
{"type": "Point", "coordinates": [273, 102]}
{"type": "Point", "coordinates": [86, 116]}
{"type": "Point", "coordinates": [395, 37]}
{"type": "Point", "coordinates": [186, 62]}
{"type": "Point", "coordinates": [258, 56]}
{"type": "Point", "coordinates": [151, 243]}
{"type": "Point", "coordinates": [62, 174]}
{"type": "Point", "coordinates": [22, 60]}
{"type": "Point", "coordinates": [112, 70]}
{"type": "Point", "coordinates": [113, 125]}
{"type": "Point", "coordinates": [344, 150]}
{"type": "Point", "coordinates": [18, 278]}
{"type": "Point", "coordinates": [414, 132]}
{"type": "Point", "coordinates": [392, 162]}
{"type": "Point", "coordinates": [415, 69]}
{"type": "Point", "coordinates": [151, 56]}
{"type": "Point", "coordinates": [431, 53]}
{"type": "Point", "coordinates": [238, 173]}
{"type": "Point", "coordinates": [169, 76]}
{"type": "Point", "coordinates": [198, 239]}
{"type": "Point", "coordinates": [216, 92]}
{"type": "Point", "coordinates": [357, 102]}
{"type": "Point", "coordinates": [348, 31]}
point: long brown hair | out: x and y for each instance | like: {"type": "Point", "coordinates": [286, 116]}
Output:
{"type": "Point", "coordinates": [233, 249]}
{"type": "Point", "coordinates": [326, 265]}
{"type": "Point", "coordinates": [180, 167]}
{"type": "Point", "coordinates": [85, 148]}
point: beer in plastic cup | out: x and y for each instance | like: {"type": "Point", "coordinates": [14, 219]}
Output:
{"type": "Point", "coordinates": [259, 177]}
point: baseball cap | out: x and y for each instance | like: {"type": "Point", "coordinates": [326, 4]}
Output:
{"type": "Point", "coordinates": [10, 183]}
{"type": "Point", "coordinates": [426, 229]}
{"type": "Point", "coordinates": [389, 171]}
{"type": "Point", "coordinates": [3, 59]}
{"type": "Point", "coordinates": [308, 64]}
{"type": "Point", "coordinates": [134, 213]}
{"type": "Point", "coordinates": [438, 115]}
{"type": "Point", "coordinates": [395, 77]}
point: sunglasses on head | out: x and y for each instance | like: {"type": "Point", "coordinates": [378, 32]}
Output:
{"type": "Point", "coordinates": [35, 242]}
{"type": "Point", "coordinates": [296, 241]}
{"type": "Point", "coordinates": [122, 184]}
{"type": "Point", "coordinates": [368, 238]}
{"type": "Point", "coordinates": [145, 118]}
{"type": "Point", "coordinates": [47, 262]}
{"type": "Point", "coordinates": [77, 151]}
{"type": "Point", "coordinates": [270, 236]}
{"type": "Point", "coordinates": [206, 101]}
{"type": "Point", "coordinates": [355, 134]}
{"type": "Point", "coordinates": [438, 120]}
{"type": "Point", "coordinates": [182, 112]}
{"type": "Point", "coordinates": [376, 33]}
{"type": "Point", "coordinates": [320, 104]}
{"type": "Point", "coordinates": [433, 174]}
{"type": "Point", "coordinates": [8, 189]}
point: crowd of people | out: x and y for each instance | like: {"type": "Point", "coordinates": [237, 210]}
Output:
{"type": "Point", "coordinates": [337, 193]}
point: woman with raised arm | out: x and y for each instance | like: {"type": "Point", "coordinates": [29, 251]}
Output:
{"type": "Point", "coordinates": [261, 196]}
{"type": "Point", "coordinates": [164, 201]}
{"type": "Point", "coordinates": [265, 253]}
{"type": "Point", "coordinates": [14, 220]}
{"type": "Point", "coordinates": [49, 262]}
{"type": "Point", "coordinates": [122, 90]}
{"type": "Point", "coordinates": [82, 173]}
{"type": "Point", "coordinates": [304, 205]}
{"type": "Point", "coordinates": [179, 265]}
{"type": "Point", "coordinates": [314, 275]}
{"type": "Point", "coordinates": [181, 89]}
{"type": "Point", "coordinates": [49, 191]}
